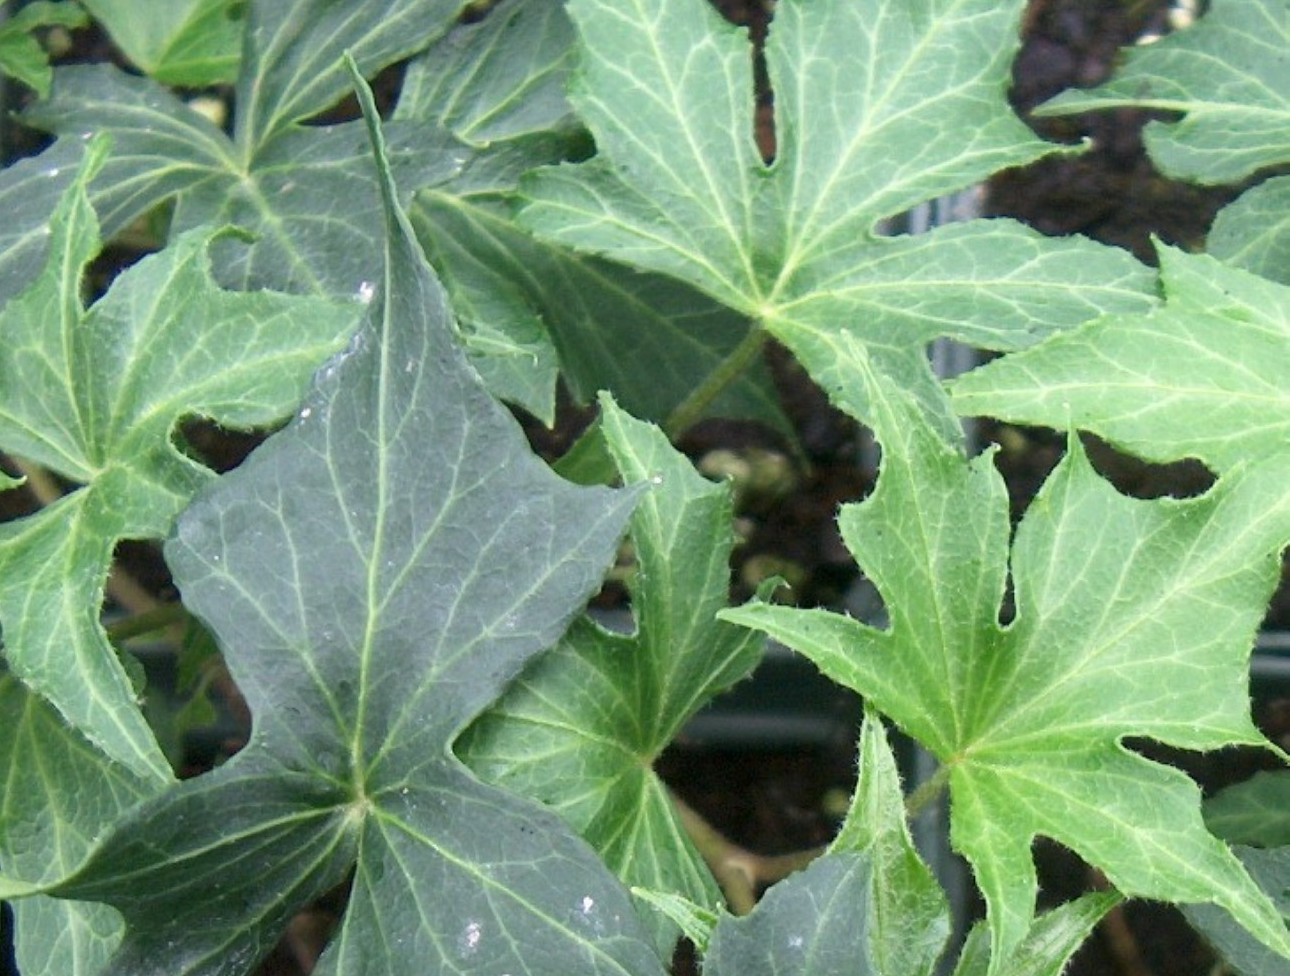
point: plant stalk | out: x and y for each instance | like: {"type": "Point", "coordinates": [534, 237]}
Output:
{"type": "Point", "coordinates": [927, 792]}
{"type": "Point", "coordinates": [739, 872]}
{"type": "Point", "coordinates": [692, 408]}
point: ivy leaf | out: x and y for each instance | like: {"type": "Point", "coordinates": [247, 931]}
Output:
{"type": "Point", "coordinates": [21, 55]}
{"type": "Point", "coordinates": [191, 43]}
{"type": "Point", "coordinates": [1205, 375]}
{"type": "Point", "coordinates": [1255, 812]}
{"type": "Point", "coordinates": [647, 338]}
{"type": "Point", "coordinates": [1050, 943]}
{"type": "Point", "coordinates": [94, 395]}
{"type": "Point", "coordinates": [1254, 231]}
{"type": "Point", "coordinates": [879, 108]}
{"type": "Point", "coordinates": [376, 573]}
{"type": "Point", "coordinates": [1027, 718]}
{"type": "Point", "coordinates": [1271, 869]}
{"type": "Point", "coordinates": [301, 190]}
{"type": "Point", "coordinates": [60, 793]}
{"type": "Point", "coordinates": [1229, 74]}
{"type": "Point", "coordinates": [581, 726]}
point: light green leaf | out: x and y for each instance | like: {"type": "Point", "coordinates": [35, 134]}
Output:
{"type": "Point", "coordinates": [60, 793]}
{"type": "Point", "coordinates": [880, 107]}
{"type": "Point", "coordinates": [192, 43]}
{"type": "Point", "coordinates": [694, 922]}
{"type": "Point", "coordinates": [1271, 869]}
{"type": "Point", "coordinates": [1229, 73]}
{"type": "Point", "coordinates": [1052, 940]}
{"type": "Point", "coordinates": [1254, 231]}
{"type": "Point", "coordinates": [906, 916]}
{"type": "Point", "coordinates": [1027, 719]}
{"type": "Point", "coordinates": [581, 727]}
{"type": "Point", "coordinates": [1256, 812]}
{"type": "Point", "coordinates": [21, 55]}
{"type": "Point", "coordinates": [94, 395]}
{"type": "Point", "coordinates": [376, 574]}
{"type": "Point", "coordinates": [1205, 375]}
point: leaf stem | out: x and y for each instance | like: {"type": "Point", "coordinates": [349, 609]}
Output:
{"type": "Point", "coordinates": [927, 792]}
{"type": "Point", "coordinates": [739, 872]}
{"type": "Point", "coordinates": [156, 618]}
{"type": "Point", "coordinates": [690, 411]}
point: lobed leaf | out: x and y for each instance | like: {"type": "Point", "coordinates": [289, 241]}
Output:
{"type": "Point", "coordinates": [95, 395]}
{"type": "Point", "coordinates": [376, 573]}
{"type": "Point", "coordinates": [1028, 718]}
{"type": "Point", "coordinates": [192, 43]}
{"type": "Point", "coordinates": [880, 106]}
{"type": "Point", "coordinates": [1203, 376]}
{"type": "Point", "coordinates": [60, 794]}
{"type": "Point", "coordinates": [1229, 74]}
{"type": "Point", "coordinates": [21, 55]}
{"type": "Point", "coordinates": [582, 726]}
{"type": "Point", "coordinates": [1254, 231]}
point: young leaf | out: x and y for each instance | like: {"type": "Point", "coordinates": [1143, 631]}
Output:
{"type": "Point", "coordinates": [906, 915]}
{"type": "Point", "coordinates": [192, 43]}
{"type": "Point", "coordinates": [1027, 719]}
{"type": "Point", "coordinates": [582, 726]}
{"type": "Point", "coordinates": [1229, 74]}
{"type": "Point", "coordinates": [1050, 943]}
{"type": "Point", "coordinates": [60, 794]}
{"type": "Point", "coordinates": [376, 574]}
{"type": "Point", "coordinates": [879, 107]}
{"type": "Point", "coordinates": [1205, 375]}
{"type": "Point", "coordinates": [94, 395]}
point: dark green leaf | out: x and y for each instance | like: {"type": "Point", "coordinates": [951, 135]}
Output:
{"type": "Point", "coordinates": [94, 395]}
{"type": "Point", "coordinates": [805, 925]}
{"type": "Point", "coordinates": [376, 573]}
{"type": "Point", "coordinates": [1271, 869]}
{"type": "Point", "coordinates": [1256, 812]}
{"type": "Point", "coordinates": [60, 794]}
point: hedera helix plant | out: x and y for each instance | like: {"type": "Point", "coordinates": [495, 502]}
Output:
{"type": "Point", "coordinates": [397, 583]}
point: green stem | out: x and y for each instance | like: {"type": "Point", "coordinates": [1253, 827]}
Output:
{"type": "Point", "coordinates": [147, 622]}
{"type": "Point", "coordinates": [726, 371]}
{"type": "Point", "coordinates": [927, 792]}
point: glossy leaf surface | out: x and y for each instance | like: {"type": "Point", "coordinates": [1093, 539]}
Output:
{"type": "Point", "coordinates": [94, 395]}
{"type": "Point", "coordinates": [376, 573]}
{"type": "Point", "coordinates": [1028, 717]}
